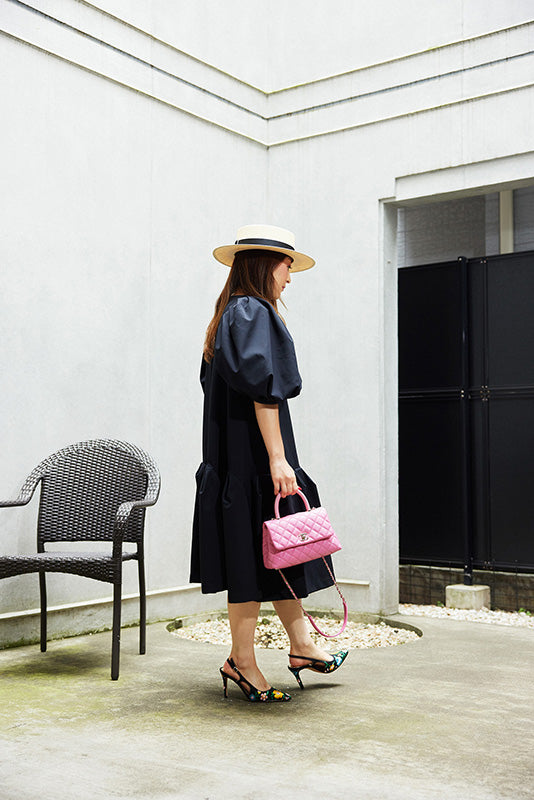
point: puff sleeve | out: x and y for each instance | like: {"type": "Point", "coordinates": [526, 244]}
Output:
{"type": "Point", "coordinates": [254, 352]}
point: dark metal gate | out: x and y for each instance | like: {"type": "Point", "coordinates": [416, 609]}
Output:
{"type": "Point", "coordinates": [466, 413]}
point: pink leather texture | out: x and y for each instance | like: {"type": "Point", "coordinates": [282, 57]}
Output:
{"type": "Point", "coordinates": [298, 538]}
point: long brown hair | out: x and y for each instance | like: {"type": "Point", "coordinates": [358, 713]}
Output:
{"type": "Point", "coordinates": [250, 274]}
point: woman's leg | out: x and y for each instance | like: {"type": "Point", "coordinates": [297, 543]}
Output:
{"type": "Point", "coordinates": [243, 618]}
{"type": "Point", "coordinates": [300, 640]}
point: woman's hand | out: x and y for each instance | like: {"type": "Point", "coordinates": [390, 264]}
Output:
{"type": "Point", "coordinates": [283, 475]}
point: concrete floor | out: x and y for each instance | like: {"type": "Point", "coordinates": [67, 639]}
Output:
{"type": "Point", "coordinates": [448, 716]}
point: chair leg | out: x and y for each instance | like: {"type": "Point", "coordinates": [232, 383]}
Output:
{"type": "Point", "coordinates": [142, 606]}
{"type": "Point", "coordinates": [42, 591]}
{"type": "Point", "coordinates": [116, 633]}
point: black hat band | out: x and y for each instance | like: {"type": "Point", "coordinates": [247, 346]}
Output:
{"type": "Point", "coordinates": [265, 243]}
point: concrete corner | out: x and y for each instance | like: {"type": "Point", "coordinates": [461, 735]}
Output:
{"type": "Point", "coordinates": [470, 597]}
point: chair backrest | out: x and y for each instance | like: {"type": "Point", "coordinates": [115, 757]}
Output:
{"type": "Point", "coordinates": [83, 485]}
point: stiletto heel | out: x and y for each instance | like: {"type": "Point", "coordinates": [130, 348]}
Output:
{"type": "Point", "coordinates": [316, 665]}
{"type": "Point", "coordinates": [249, 690]}
{"type": "Point", "coordinates": [296, 672]}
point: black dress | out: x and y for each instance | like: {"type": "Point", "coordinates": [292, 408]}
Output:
{"type": "Point", "coordinates": [254, 360]}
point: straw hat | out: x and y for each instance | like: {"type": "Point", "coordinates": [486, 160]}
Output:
{"type": "Point", "coordinates": [264, 237]}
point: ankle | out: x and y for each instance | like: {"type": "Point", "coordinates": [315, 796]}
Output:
{"type": "Point", "coordinates": [302, 645]}
{"type": "Point", "coordinates": [243, 662]}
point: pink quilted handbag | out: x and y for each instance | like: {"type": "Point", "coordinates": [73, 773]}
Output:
{"type": "Point", "coordinates": [297, 538]}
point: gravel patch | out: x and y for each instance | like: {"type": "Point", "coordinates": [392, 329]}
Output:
{"type": "Point", "coordinates": [270, 634]}
{"type": "Point", "coordinates": [520, 619]}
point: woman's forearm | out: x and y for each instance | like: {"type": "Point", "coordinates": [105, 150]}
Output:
{"type": "Point", "coordinates": [283, 475]}
{"type": "Point", "coordinates": [269, 425]}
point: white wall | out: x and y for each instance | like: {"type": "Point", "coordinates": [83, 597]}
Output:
{"type": "Point", "coordinates": [111, 203]}
{"type": "Point", "coordinates": [273, 44]}
{"type": "Point", "coordinates": [128, 161]}
{"type": "Point", "coordinates": [422, 129]}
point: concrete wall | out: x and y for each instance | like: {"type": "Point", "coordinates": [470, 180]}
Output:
{"type": "Point", "coordinates": [132, 152]}
{"type": "Point", "coordinates": [112, 199]}
{"type": "Point", "coordinates": [274, 44]}
{"type": "Point", "coordinates": [419, 130]}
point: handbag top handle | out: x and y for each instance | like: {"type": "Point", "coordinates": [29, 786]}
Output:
{"type": "Point", "coordinates": [277, 502]}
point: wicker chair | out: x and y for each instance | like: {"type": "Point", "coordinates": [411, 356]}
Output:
{"type": "Point", "coordinates": [91, 491]}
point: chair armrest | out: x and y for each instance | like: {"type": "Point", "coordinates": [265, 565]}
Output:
{"type": "Point", "coordinates": [124, 511]}
{"type": "Point", "coordinates": [19, 501]}
{"type": "Point", "coordinates": [26, 493]}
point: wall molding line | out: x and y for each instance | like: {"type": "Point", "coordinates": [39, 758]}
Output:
{"type": "Point", "coordinates": [405, 57]}
{"type": "Point", "coordinates": [263, 127]}
{"type": "Point", "coordinates": [425, 110]}
{"type": "Point", "coordinates": [132, 88]}
{"type": "Point", "coordinates": [137, 30]}
{"type": "Point", "coordinates": [465, 179]}
{"type": "Point", "coordinates": [154, 38]}
{"type": "Point", "coordinates": [264, 143]}
{"type": "Point", "coordinates": [271, 92]}
{"type": "Point", "coordinates": [399, 86]}
{"type": "Point", "coordinates": [142, 61]}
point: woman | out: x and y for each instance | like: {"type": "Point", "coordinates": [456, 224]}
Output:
{"type": "Point", "coordinates": [249, 370]}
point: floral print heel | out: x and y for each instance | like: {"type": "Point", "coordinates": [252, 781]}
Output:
{"type": "Point", "coordinates": [318, 666]}
{"type": "Point", "coordinates": [251, 693]}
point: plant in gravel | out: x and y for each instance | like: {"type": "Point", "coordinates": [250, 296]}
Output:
{"type": "Point", "coordinates": [525, 611]}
